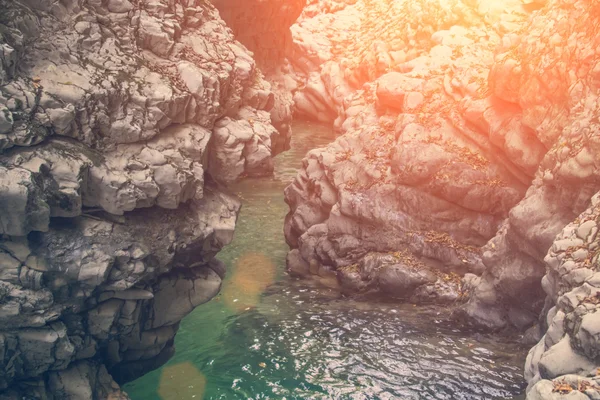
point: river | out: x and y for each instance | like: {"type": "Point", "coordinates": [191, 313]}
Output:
{"type": "Point", "coordinates": [268, 336]}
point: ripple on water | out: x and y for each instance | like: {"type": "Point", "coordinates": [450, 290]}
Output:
{"type": "Point", "coordinates": [287, 339]}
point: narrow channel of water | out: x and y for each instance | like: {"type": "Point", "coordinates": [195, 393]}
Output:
{"type": "Point", "coordinates": [267, 336]}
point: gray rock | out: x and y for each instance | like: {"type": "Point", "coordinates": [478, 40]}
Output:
{"type": "Point", "coordinates": [562, 359]}
{"type": "Point", "coordinates": [568, 351]}
{"type": "Point", "coordinates": [108, 227]}
{"type": "Point", "coordinates": [400, 282]}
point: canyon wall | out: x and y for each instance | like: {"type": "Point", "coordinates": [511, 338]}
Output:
{"type": "Point", "coordinates": [264, 27]}
{"type": "Point", "coordinates": [429, 162]}
{"type": "Point", "coordinates": [469, 140]}
{"type": "Point", "coordinates": [120, 121]}
{"type": "Point", "coordinates": [564, 362]}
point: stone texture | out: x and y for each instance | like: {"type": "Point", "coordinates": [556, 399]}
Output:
{"type": "Point", "coordinates": [567, 175]}
{"type": "Point", "coordinates": [118, 121]}
{"type": "Point", "coordinates": [417, 168]}
{"type": "Point", "coordinates": [468, 139]}
{"type": "Point", "coordinates": [264, 27]}
{"type": "Point", "coordinates": [569, 350]}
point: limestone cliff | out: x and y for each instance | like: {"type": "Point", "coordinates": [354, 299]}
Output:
{"type": "Point", "coordinates": [429, 164]}
{"type": "Point", "coordinates": [119, 121]}
{"type": "Point", "coordinates": [556, 87]}
{"type": "Point", "coordinates": [264, 27]}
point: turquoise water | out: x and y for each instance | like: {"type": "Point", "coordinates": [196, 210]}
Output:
{"type": "Point", "coordinates": [267, 336]}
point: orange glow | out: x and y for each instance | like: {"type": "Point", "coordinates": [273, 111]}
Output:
{"type": "Point", "coordinates": [253, 273]}
{"type": "Point", "coordinates": [182, 381]}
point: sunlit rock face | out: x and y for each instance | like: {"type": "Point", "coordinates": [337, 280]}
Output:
{"type": "Point", "coordinates": [339, 45]}
{"type": "Point", "coordinates": [552, 77]}
{"type": "Point", "coordinates": [403, 201]}
{"type": "Point", "coordinates": [118, 122]}
{"type": "Point", "coordinates": [468, 142]}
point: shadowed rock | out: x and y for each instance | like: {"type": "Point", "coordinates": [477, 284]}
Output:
{"type": "Point", "coordinates": [118, 119]}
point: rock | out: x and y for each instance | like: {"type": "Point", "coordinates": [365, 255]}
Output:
{"type": "Point", "coordinates": [296, 264]}
{"type": "Point", "coordinates": [22, 202]}
{"type": "Point", "coordinates": [110, 217]}
{"type": "Point", "coordinates": [561, 359]}
{"type": "Point", "coordinates": [462, 152]}
{"type": "Point", "coordinates": [545, 390]}
{"type": "Point", "coordinates": [119, 6]}
{"type": "Point", "coordinates": [153, 37]}
{"type": "Point", "coordinates": [427, 155]}
{"type": "Point", "coordinates": [400, 282]}
{"type": "Point", "coordinates": [395, 89]}
{"type": "Point", "coordinates": [202, 288]}
{"type": "Point", "coordinates": [569, 349]}
{"type": "Point", "coordinates": [244, 146]}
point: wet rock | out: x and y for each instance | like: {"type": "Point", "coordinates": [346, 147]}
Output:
{"type": "Point", "coordinates": [400, 282]}
{"type": "Point", "coordinates": [296, 264]}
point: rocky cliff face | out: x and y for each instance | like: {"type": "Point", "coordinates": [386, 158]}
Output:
{"type": "Point", "coordinates": [429, 164]}
{"type": "Point", "coordinates": [119, 121]}
{"type": "Point", "coordinates": [264, 27]}
{"type": "Point", "coordinates": [556, 88]}
{"type": "Point", "coordinates": [469, 142]}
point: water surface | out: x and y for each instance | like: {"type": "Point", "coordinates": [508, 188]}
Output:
{"type": "Point", "coordinates": [267, 336]}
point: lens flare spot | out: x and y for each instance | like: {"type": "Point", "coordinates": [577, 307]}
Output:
{"type": "Point", "coordinates": [182, 382]}
{"type": "Point", "coordinates": [253, 273]}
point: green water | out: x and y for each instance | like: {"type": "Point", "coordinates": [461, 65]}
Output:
{"type": "Point", "coordinates": [268, 336]}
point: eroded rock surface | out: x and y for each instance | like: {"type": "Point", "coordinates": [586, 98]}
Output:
{"type": "Point", "coordinates": [468, 140]}
{"type": "Point", "coordinates": [119, 121]}
{"type": "Point", "coordinates": [421, 173]}
{"type": "Point", "coordinates": [264, 27]}
{"type": "Point", "coordinates": [558, 91]}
